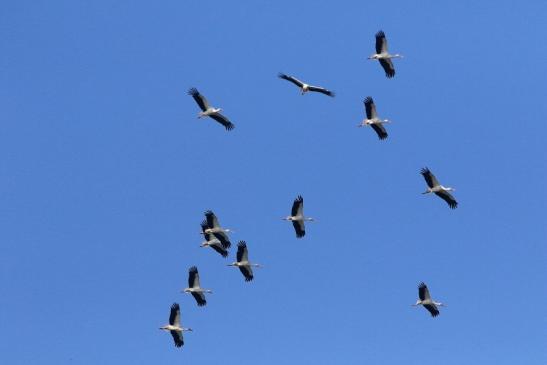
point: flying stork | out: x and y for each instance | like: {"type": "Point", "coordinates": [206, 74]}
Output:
{"type": "Point", "coordinates": [214, 228]}
{"type": "Point", "coordinates": [426, 301]}
{"type": "Point", "coordinates": [373, 120]}
{"type": "Point", "coordinates": [209, 111]}
{"type": "Point", "coordinates": [297, 217]}
{"type": "Point", "coordinates": [243, 263]}
{"type": "Point", "coordinates": [193, 287]}
{"type": "Point", "coordinates": [383, 56]}
{"type": "Point", "coordinates": [174, 325]}
{"type": "Point", "coordinates": [304, 88]}
{"type": "Point", "coordinates": [219, 245]}
{"type": "Point", "coordinates": [438, 189]}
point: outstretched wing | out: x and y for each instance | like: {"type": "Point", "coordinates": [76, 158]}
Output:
{"type": "Point", "coordinates": [200, 99]}
{"type": "Point", "coordinates": [370, 108]}
{"type": "Point", "coordinates": [247, 271]}
{"type": "Point", "coordinates": [242, 253]}
{"type": "Point", "coordinates": [223, 238]}
{"type": "Point", "coordinates": [294, 80]}
{"type": "Point", "coordinates": [200, 298]}
{"type": "Point", "coordinates": [432, 308]}
{"type": "Point", "coordinates": [174, 316]}
{"type": "Point", "coordinates": [212, 220]}
{"type": "Point", "coordinates": [423, 292]}
{"type": "Point", "coordinates": [381, 42]}
{"type": "Point", "coordinates": [298, 206]}
{"type": "Point", "coordinates": [388, 67]}
{"type": "Point", "coordinates": [193, 277]}
{"type": "Point", "coordinates": [430, 179]}
{"type": "Point", "coordinates": [380, 130]}
{"type": "Point", "coordinates": [220, 249]}
{"type": "Point", "coordinates": [177, 337]}
{"type": "Point", "coordinates": [447, 197]}
{"type": "Point", "coordinates": [321, 90]}
{"type": "Point", "coordinates": [299, 228]}
{"type": "Point", "coordinates": [223, 120]}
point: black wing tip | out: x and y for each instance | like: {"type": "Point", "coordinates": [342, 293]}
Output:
{"type": "Point", "coordinates": [230, 126]}
{"type": "Point", "coordinates": [425, 171]}
{"type": "Point", "coordinates": [300, 235]}
{"type": "Point", "coordinates": [453, 205]}
{"type": "Point", "coordinates": [422, 285]}
{"type": "Point", "coordinates": [368, 100]}
{"type": "Point", "coordinates": [175, 306]}
{"type": "Point", "coordinates": [208, 212]}
{"type": "Point", "coordinates": [249, 278]}
{"type": "Point", "coordinates": [281, 75]}
{"type": "Point", "coordinates": [202, 304]}
{"type": "Point", "coordinates": [382, 137]}
{"type": "Point", "coordinates": [380, 34]}
{"type": "Point", "coordinates": [242, 244]}
{"type": "Point", "coordinates": [299, 199]}
{"type": "Point", "coordinates": [390, 74]}
{"type": "Point", "coordinates": [193, 270]}
{"type": "Point", "coordinates": [193, 91]}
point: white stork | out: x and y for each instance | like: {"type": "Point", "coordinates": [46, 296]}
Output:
{"type": "Point", "coordinates": [209, 111]}
{"type": "Point", "coordinates": [243, 263]}
{"type": "Point", "coordinates": [373, 120]}
{"type": "Point", "coordinates": [194, 288]}
{"type": "Point", "coordinates": [438, 189]}
{"type": "Point", "coordinates": [174, 325]}
{"type": "Point", "coordinates": [383, 56]}
{"type": "Point", "coordinates": [220, 244]}
{"type": "Point", "coordinates": [304, 88]}
{"type": "Point", "coordinates": [297, 217]}
{"type": "Point", "coordinates": [426, 301]}
{"type": "Point", "coordinates": [214, 228]}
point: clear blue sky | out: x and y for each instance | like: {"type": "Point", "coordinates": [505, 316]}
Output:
{"type": "Point", "coordinates": [105, 173]}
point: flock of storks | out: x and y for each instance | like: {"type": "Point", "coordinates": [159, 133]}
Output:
{"type": "Point", "coordinates": [216, 237]}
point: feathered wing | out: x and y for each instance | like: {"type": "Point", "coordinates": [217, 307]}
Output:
{"type": "Point", "coordinates": [423, 292]}
{"type": "Point", "coordinates": [432, 308]}
{"type": "Point", "coordinates": [294, 80]}
{"type": "Point", "coordinates": [247, 272]}
{"type": "Point", "coordinates": [223, 120]}
{"type": "Point", "coordinates": [220, 249]}
{"type": "Point", "coordinates": [297, 206]}
{"type": "Point", "coordinates": [299, 228]}
{"type": "Point", "coordinates": [381, 42]}
{"type": "Point", "coordinates": [380, 130]}
{"type": "Point", "coordinates": [430, 179]}
{"type": "Point", "coordinates": [242, 253]}
{"type": "Point", "coordinates": [193, 277]}
{"type": "Point", "coordinates": [447, 197]}
{"type": "Point", "coordinates": [321, 90]}
{"type": "Point", "coordinates": [223, 238]}
{"type": "Point", "coordinates": [388, 67]}
{"type": "Point", "coordinates": [200, 298]}
{"type": "Point", "coordinates": [200, 99]}
{"type": "Point", "coordinates": [174, 316]}
{"type": "Point", "coordinates": [212, 220]}
{"type": "Point", "coordinates": [177, 337]}
{"type": "Point", "coordinates": [370, 108]}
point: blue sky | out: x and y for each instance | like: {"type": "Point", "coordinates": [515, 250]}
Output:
{"type": "Point", "coordinates": [106, 172]}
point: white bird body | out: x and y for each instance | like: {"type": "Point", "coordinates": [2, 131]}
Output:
{"type": "Point", "coordinates": [297, 217]}
{"type": "Point", "coordinates": [195, 288]}
{"type": "Point", "coordinates": [304, 88]}
{"type": "Point", "coordinates": [174, 326]}
{"type": "Point", "coordinates": [373, 120]}
{"type": "Point", "coordinates": [243, 263]}
{"type": "Point", "coordinates": [433, 186]}
{"type": "Point", "coordinates": [383, 56]}
{"type": "Point", "coordinates": [426, 301]}
{"type": "Point", "coordinates": [209, 111]}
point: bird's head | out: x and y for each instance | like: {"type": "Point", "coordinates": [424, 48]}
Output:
{"type": "Point", "coordinates": [387, 121]}
{"type": "Point", "coordinates": [450, 189]}
{"type": "Point", "coordinates": [373, 57]}
{"type": "Point", "coordinates": [189, 329]}
{"type": "Point", "coordinates": [187, 290]}
{"type": "Point", "coordinates": [287, 218]}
